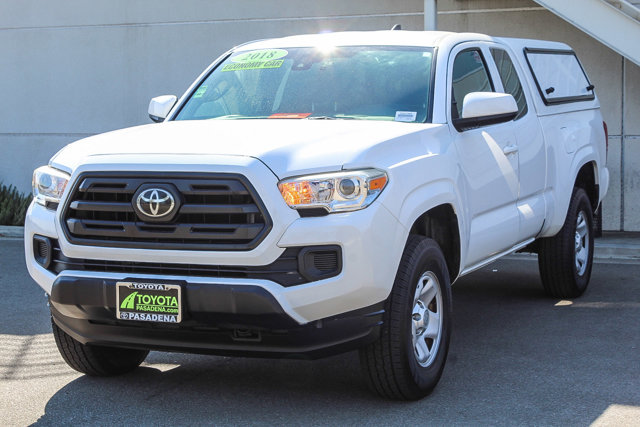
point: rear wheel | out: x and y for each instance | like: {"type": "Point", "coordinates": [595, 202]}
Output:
{"type": "Point", "coordinates": [565, 260]}
{"type": "Point", "coordinates": [407, 361]}
{"type": "Point", "coordinates": [96, 360]}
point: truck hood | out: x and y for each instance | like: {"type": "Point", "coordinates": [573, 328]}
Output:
{"type": "Point", "coordinates": [288, 147]}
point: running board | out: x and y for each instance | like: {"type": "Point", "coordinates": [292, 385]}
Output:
{"type": "Point", "coordinates": [495, 257]}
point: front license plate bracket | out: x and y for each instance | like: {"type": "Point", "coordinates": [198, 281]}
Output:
{"type": "Point", "coordinates": [149, 302]}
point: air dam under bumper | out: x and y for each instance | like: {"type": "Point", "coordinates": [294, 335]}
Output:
{"type": "Point", "coordinates": [217, 319]}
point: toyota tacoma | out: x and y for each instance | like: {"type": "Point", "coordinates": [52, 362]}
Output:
{"type": "Point", "coordinates": [316, 194]}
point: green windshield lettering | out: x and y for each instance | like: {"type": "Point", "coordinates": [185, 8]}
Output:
{"type": "Point", "coordinates": [255, 65]}
{"type": "Point", "coordinates": [200, 92]}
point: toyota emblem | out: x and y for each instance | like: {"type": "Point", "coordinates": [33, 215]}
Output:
{"type": "Point", "coordinates": [155, 202]}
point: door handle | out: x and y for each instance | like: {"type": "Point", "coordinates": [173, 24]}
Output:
{"type": "Point", "coordinates": [510, 149]}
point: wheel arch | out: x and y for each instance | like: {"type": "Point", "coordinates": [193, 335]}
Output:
{"type": "Point", "coordinates": [440, 223]}
{"type": "Point", "coordinates": [584, 174]}
{"type": "Point", "coordinates": [587, 179]}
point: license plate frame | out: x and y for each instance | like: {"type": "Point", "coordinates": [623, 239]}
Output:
{"type": "Point", "coordinates": [149, 302]}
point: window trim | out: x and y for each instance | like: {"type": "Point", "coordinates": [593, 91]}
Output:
{"type": "Point", "coordinates": [432, 87]}
{"type": "Point", "coordinates": [487, 69]}
{"type": "Point", "coordinates": [527, 108]}
{"type": "Point", "coordinates": [564, 99]}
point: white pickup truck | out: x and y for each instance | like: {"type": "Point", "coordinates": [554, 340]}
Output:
{"type": "Point", "coordinates": [316, 194]}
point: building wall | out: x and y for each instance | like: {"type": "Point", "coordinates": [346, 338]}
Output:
{"type": "Point", "coordinates": [72, 68]}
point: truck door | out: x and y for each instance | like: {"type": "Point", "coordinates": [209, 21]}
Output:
{"type": "Point", "coordinates": [530, 144]}
{"type": "Point", "coordinates": [488, 161]}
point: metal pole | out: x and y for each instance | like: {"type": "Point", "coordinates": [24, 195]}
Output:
{"type": "Point", "coordinates": [430, 15]}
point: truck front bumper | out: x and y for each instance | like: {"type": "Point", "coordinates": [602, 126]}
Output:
{"type": "Point", "coordinates": [217, 319]}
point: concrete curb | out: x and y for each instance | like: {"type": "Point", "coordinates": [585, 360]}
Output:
{"type": "Point", "coordinates": [617, 250]}
{"type": "Point", "coordinates": [11, 232]}
{"type": "Point", "coordinates": [618, 245]}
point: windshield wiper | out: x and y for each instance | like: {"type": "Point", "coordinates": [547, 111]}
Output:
{"type": "Point", "coordinates": [328, 118]}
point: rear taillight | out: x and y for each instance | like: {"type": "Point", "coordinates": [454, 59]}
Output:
{"type": "Point", "coordinates": [606, 139]}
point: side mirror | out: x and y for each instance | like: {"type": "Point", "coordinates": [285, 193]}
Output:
{"type": "Point", "coordinates": [160, 106]}
{"type": "Point", "coordinates": [486, 108]}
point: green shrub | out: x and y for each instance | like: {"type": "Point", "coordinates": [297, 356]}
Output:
{"type": "Point", "coordinates": [13, 205]}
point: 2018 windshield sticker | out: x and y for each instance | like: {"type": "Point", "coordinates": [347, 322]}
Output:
{"type": "Point", "coordinates": [200, 92]}
{"type": "Point", "coordinates": [257, 59]}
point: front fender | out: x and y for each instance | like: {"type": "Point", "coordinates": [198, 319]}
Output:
{"type": "Point", "coordinates": [426, 197]}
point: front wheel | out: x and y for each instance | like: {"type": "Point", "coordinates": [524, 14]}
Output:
{"type": "Point", "coordinates": [407, 361]}
{"type": "Point", "coordinates": [565, 259]}
{"type": "Point", "coordinates": [98, 361]}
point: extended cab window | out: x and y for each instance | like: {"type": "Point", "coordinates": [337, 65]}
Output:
{"type": "Point", "coordinates": [510, 79]}
{"type": "Point", "coordinates": [469, 75]}
{"type": "Point", "coordinates": [559, 76]}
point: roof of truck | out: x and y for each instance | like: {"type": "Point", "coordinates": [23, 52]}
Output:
{"type": "Point", "coordinates": [395, 38]}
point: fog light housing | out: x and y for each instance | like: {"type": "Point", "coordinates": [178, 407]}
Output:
{"type": "Point", "coordinates": [320, 262]}
{"type": "Point", "coordinates": [42, 250]}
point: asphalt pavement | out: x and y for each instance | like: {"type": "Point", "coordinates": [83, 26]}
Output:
{"type": "Point", "coordinates": [516, 358]}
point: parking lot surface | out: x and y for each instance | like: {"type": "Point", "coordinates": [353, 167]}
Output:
{"type": "Point", "coordinates": [516, 358]}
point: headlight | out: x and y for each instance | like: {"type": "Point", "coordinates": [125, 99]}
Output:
{"type": "Point", "coordinates": [335, 192]}
{"type": "Point", "coordinates": [48, 185]}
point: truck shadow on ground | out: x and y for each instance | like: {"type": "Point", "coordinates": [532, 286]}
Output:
{"type": "Point", "coordinates": [517, 357]}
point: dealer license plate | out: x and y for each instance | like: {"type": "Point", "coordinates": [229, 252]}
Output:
{"type": "Point", "coordinates": [149, 302]}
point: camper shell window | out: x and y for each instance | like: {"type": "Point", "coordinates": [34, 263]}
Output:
{"type": "Point", "coordinates": [559, 76]}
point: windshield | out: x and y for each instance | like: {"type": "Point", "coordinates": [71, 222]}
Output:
{"type": "Point", "coordinates": [353, 82]}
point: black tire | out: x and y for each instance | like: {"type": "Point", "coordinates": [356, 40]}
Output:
{"type": "Point", "coordinates": [390, 364]}
{"type": "Point", "coordinates": [558, 255]}
{"type": "Point", "coordinates": [97, 361]}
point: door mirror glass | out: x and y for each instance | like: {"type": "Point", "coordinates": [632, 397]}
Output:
{"type": "Point", "coordinates": [160, 106]}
